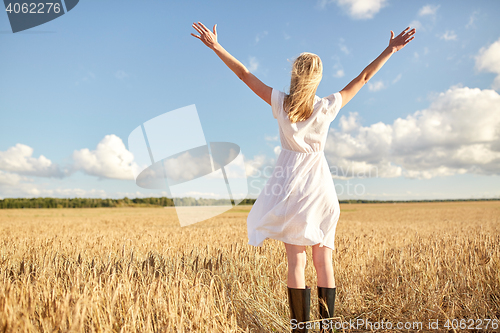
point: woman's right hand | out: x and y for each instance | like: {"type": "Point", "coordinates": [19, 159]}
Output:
{"type": "Point", "coordinates": [398, 42]}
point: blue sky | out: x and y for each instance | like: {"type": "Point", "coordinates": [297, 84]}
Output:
{"type": "Point", "coordinates": [427, 126]}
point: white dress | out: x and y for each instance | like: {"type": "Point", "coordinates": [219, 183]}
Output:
{"type": "Point", "coordinates": [299, 205]}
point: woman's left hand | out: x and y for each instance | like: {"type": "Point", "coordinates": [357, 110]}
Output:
{"type": "Point", "coordinates": [206, 36]}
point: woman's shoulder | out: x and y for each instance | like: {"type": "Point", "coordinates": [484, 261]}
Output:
{"type": "Point", "coordinates": [279, 93]}
{"type": "Point", "coordinates": [277, 98]}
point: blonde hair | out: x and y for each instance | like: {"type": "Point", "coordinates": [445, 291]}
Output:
{"type": "Point", "coordinates": [307, 72]}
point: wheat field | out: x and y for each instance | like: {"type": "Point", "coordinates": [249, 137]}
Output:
{"type": "Point", "coordinates": [137, 270]}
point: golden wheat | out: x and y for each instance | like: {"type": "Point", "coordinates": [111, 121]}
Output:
{"type": "Point", "coordinates": [137, 270]}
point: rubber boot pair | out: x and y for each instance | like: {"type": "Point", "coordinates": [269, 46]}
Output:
{"type": "Point", "coordinates": [326, 295]}
{"type": "Point", "coordinates": [299, 301]}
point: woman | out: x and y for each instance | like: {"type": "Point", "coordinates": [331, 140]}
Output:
{"type": "Point", "coordinates": [299, 205]}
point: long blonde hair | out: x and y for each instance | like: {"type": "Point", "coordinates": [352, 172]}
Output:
{"type": "Point", "coordinates": [307, 72]}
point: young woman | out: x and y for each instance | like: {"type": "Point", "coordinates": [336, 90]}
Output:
{"type": "Point", "coordinates": [298, 204]}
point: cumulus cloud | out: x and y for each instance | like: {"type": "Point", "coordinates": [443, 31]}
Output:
{"type": "Point", "coordinates": [261, 166]}
{"type": "Point", "coordinates": [15, 186]}
{"type": "Point", "coordinates": [110, 159]}
{"type": "Point", "coordinates": [18, 159]}
{"type": "Point", "coordinates": [357, 9]}
{"type": "Point", "coordinates": [277, 150]}
{"type": "Point", "coordinates": [458, 133]}
{"type": "Point", "coordinates": [11, 179]}
{"type": "Point", "coordinates": [253, 166]}
{"type": "Point", "coordinates": [188, 166]}
{"type": "Point", "coordinates": [488, 60]}
{"type": "Point", "coordinates": [69, 193]}
{"type": "Point", "coordinates": [349, 123]}
{"type": "Point", "coordinates": [428, 10]}
{"type": "Point", "coordinates": [449, 35]}
{"type": "Point", "coordinates": [376, 85]}
{"type": "Point", "coordinates": [416, 24]}
{"type": "Point", "coordinates": [426, 18]}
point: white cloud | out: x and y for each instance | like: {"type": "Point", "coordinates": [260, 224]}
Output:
{"type": "Point", "coordinates": [109, 160]}
{"type": "Point", "coordinates": [138, 194]}
{"type": "Point", "coordinates": [271, 138]}
{"type": "Point", "coordinates": [488, 60]}
{"type": "Point", "coordinates": [253, 166]}
{"type": "Point", "coordinates": [428, 10]}
{"type": "Point", "coordinates": [357, 9]}
{"type": "Point", "coordinates": [186, 167]}
{"type": "Point", "coordinates": [25, 188]}
{"type": "Point", "coordinates": [339, 73]}
{"type": "Point", "coordinates": [449, 35]}
{"type": "Point", "coordinates": [73, 192]}
{"type": "Point", "coordinates": [120, 74]}
{"type": "Point", "coordinates": [416, 24]}
{"type": "Point", "coordinates": [254, 64]}
{"type": "Point", "coordinates": [458, 133]}
{"type": "Point", "coordinates": [472, 19]}
{"type": "Point", "coordinates": [397, 78]}
{"type": "Point", "coordinates": [287, 36]}
{"type": "Point", "coordinates": [427, 18]}
{"type": "Point", "coordinates": [376, 85]}
{"type": "Point", "coordinates": [350, 123]}
{"type": "Point", "coordinates": [277, 150]}
{"type": "Point", "coordinates": [11, 179]}
{"type": "Point", "coordinates": [19, 159]}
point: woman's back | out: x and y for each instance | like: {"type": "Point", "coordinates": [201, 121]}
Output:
{"type": "Point", "coordinates": [309, 135]}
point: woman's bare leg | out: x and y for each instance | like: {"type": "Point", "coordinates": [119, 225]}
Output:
{"type": "Point", "coordinates": [322, 258]}
{"type": "Point", "coordinates": [296, 255]}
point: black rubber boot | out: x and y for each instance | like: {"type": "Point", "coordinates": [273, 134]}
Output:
{"type": "Point", "coordinates": [328, 296]}
{"type": "Point", "coordinates": [299, 301]}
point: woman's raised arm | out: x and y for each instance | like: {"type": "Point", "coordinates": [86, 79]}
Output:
{"type": "Point", "coordinates": [395, 44]}
{"type": "Point", "coordinates": [209, 38]}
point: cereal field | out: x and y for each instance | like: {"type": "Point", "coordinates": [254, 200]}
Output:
{"type": "Point", "coordinates": [137, 270]}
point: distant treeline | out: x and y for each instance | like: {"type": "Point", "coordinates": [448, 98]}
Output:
{"type": "Point", "coordinates": [161, 202]}
{"type": "Point", "coordinates": [125, 202]}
